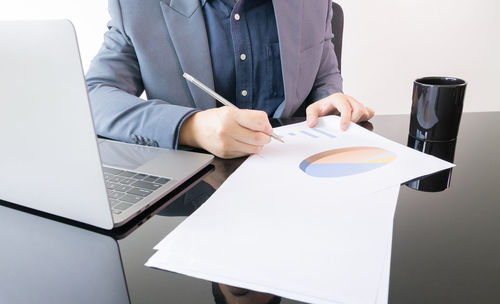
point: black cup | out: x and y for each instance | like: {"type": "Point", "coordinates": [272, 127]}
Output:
{"type": "Point", "coordinates": [438, 181]}
{"type": "Point", "coordinates": [437, 108]}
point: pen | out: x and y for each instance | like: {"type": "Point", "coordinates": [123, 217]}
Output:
{"type": "Point", "coordinates": [218, 97]}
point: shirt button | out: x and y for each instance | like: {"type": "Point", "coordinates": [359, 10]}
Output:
{"type": "Point", "coordinates": [244, 93]}
{"type": "Point", "coordinates": [243, 56]}
{"type": "Point", "coordinates": [236, 17]}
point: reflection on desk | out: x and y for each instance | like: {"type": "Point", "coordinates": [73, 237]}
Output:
{"type": "Point", "coordinates": [44, 261]}
{"type": "Point", "coordinates": [441, 180]}
{"type": "Point", "coordinates": [225, 294]}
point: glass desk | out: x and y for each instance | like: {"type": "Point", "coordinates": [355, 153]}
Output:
{"type": "Point", "coordinates": [446, 245]}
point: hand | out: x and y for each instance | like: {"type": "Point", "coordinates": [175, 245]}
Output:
{"type": "Point", "coordinates": [227, 132]}
{"type": "Point", "coordinates": [349, 108]}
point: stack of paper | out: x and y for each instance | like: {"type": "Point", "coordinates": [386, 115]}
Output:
{"type": "Point", "coordinates": [309, 220]}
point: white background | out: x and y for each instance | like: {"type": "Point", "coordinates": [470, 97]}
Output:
{"type": "Point", "coordinates": [387, 44]}
{"type": "Point", "coordinates": [89, 17]}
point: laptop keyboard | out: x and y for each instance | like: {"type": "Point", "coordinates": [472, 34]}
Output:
{"type": "Point", "coordinates": [126, 188]}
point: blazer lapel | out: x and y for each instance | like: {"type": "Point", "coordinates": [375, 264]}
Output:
{"type": "Point", "coordinates": [186, 25]}
{"type": "Point", "coordinates": [289, 21]}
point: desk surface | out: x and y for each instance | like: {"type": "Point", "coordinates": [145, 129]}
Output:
{"type": "Point", "coordinates": [446, 245]}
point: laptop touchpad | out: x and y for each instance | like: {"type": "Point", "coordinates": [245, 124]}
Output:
{"type": "Point", "coordinates": [125, 156]}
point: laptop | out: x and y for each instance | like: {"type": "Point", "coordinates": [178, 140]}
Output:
{"type": "Point", "coordinates": [50, 157]}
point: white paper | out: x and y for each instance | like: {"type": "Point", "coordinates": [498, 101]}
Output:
{"type": "Point", "coordinates": [383, 291]}
{"type": "Point", "coordinates": [279, 163]}
{"type": "Point", "coordinates": [274, 227]}
{"type": "Point", "coordinates": [322, 251]}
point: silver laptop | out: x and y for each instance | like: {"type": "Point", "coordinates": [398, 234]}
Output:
{"type": "Point", "coordinates": [50, 157]}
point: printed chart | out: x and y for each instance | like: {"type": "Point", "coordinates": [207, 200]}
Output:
{"type": "Point", "coordinates": [308, 132]}
{"type": "Point", "coordinates": [346, 161]}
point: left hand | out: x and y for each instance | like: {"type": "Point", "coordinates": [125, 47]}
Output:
{"type": "Point", "coordinates": [349, 108]}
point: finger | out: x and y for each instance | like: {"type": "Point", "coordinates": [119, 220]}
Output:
{"type": "Point", "coordinates": [327, 107]}
{"type": "Point", "coordinates": [345, 114]}
{"type": "Point", "coordinates": [235, 127]}
{"type": "Point", "coordinates": [229, 147]}
{"type": "Point", "coordinates": [254, 120]}
{"type": "Point", "coordinates": [236, 148]}
{"type": "Point", "coordinates": [245, 148]}
{"type": "Point", "coordinates": [345, 120]}
{"type": "Point", "coordinates": [318, 109]}
{"type": "Point", "coordinates": [312, 115]}
{"type": "Point", "coordinates": [358, 112]}
{"type": "Point", "coordinates": [371, 113]}
{"type": "Point", "coordinates": [249, 137]}
{"type": "Point", "coordinates": [367, 114]}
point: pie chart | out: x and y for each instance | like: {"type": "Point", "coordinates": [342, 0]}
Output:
{"type": "Point", "coordinates": [346, 161]}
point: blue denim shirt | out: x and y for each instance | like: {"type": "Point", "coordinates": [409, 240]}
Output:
{"type": "Point", "coordinates": [245, 52]}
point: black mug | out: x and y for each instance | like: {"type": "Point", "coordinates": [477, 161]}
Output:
{"type": "Point", "coordinates": [437, 108]}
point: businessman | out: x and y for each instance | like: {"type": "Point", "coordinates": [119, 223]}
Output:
{"type": "Point", "coordinates": [270, 58]}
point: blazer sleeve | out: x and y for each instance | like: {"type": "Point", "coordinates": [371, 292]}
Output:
{"type": "Point", "coordinates": [328, 80]}
{"type": "Point", "coordinates": [114, 83]}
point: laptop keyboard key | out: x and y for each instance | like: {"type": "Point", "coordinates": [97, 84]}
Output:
{"type": "Point", "coordinates": [140, 192]}
{"type": "Point", "coordinates": [122, 206]}
{"type": "Point", "coordinates": [127, 181]}
{"type": "Point", "coordinates": [146, 185]}
{"type": "Point", "coordinates": [130, 198]}
{"type": "Point", "coordinates": [139, 176]}
{"type": "Point", "coordinates": [114, 202]}
{"type": "Point", "coordinates": [115, 195]}
{"type": "Point", "coordinates": [150, 179]}
{"type": "Point", "coordinates": [122, 188]}
{"type": "Point", "coordinates": [112, 186]}
{"type": "Point", "coordinates": [127, 174]}
{"type": "Point", "coordinates": [162, 181]}
{"type": "Point", "coordinates": [115, 179]}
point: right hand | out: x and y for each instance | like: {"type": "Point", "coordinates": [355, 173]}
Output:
{"type": "Point", "coordinates": [227, 132]}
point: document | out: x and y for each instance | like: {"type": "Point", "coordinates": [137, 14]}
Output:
{"type": "Point", "coordinates": [310, 219]}
{"type": "Point", "coordinates": [325, 160]}
{"type": "Point", "coordinates": [320, 251]}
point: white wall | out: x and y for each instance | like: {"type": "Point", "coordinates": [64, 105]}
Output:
{"type": "Point", "coordinates": [387, 44]}
{"type": "Point", "coordinates": [89, 17]}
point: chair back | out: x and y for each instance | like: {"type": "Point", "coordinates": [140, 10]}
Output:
{"type": "Point", "coordinates": [338, 30]}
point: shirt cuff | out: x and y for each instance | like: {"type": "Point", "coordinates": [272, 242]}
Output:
{"type": "Point", "coordinates": [179, 126]}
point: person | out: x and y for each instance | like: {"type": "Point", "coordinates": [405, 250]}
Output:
{"type": "Point", "coordinates": [270, 58]}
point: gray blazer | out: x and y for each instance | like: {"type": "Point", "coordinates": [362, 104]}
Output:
{"type": "Point", "coordinates": [150, 43]}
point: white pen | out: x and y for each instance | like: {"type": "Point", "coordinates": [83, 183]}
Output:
{"type": "Point", "coordinates": [217, 97]}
